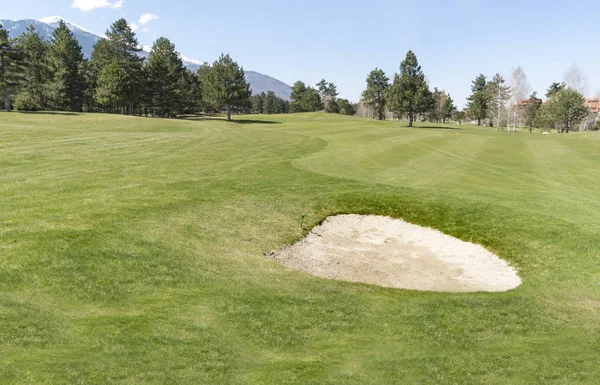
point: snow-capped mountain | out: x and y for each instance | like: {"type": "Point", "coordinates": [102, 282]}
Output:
{"type": "Point", "coordinates": [46, 26]}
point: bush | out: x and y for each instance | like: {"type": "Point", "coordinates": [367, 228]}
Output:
{"type": "Point", "coordinates": [24, 102]}
{"type": "Point", "coordinates": [596, 127]}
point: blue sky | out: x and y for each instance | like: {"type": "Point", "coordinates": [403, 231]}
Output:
{"type": "Point", "coordinates": [342, 41]}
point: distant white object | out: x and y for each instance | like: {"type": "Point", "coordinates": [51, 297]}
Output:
{"type": "Point", "coordinates": [545, 133]}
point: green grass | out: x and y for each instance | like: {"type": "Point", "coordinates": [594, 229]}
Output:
{"type": "Point", "coordinates": [131, 252]}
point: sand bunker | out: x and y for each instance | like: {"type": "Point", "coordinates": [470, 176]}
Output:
{"type": "Point", "coordinates": [393, 253]}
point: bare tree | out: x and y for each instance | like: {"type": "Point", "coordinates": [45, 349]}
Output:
{"type": "Point", "coordinates": [575, 79]}
{"type": "Point", "coordinates": [499, 95]}
{"type": "Point", "coordinates": [520, 89]}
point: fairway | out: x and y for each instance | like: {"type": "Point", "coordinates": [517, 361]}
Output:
{"type": "Point", "coordinates": [132, 251]}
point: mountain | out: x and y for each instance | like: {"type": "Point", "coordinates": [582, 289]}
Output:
{"type": "Point", "coordinates": [258, 82]}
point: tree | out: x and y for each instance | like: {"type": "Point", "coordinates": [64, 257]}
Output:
{"type": "Point", "coordinates": [333, 107]}
{"type": "Point", "coordinates": [438, 101]}
{"type": "Point", "coordinates": [375, 96]}
{"type": "Point", "coordinates": [9, 67]}
{"type": "Point", "coordinates": [66, 60]}
{"type": "Point", "coordinates": [499, 94]}
{"type": "Point", "coordinates": [448, 107]}
{"type": "Point", "coordinates": [270, 103]}
{"type": "Point", "coordinates": [322, 86]}
{"type": "Point", "coordinates": [479, 100]}
{"type": "Point", "coordinates": [226, 85]}
{"type": "Point", "coordinates": [257, 102]}
{"type": "Point", "coordinates": [166, 77]}
{"type": "Point", "coordinates": [459, 116]}
{"type": "Point", "coordinates": [305, 99]}
{"type": "Point", "coordinates": [109, 93]}
{"type": "Point", "coordinates": [121, 46]}
{"type": "Point", "coordinates": [520, 88]}
{"type": "Point", "coordinates": [531, 110]}
{"type": "Point", "coordinates": [311, 101]}
{"type": "Point", "coordinates": [298, 90]}
{"type": "Point", "coordinates": [345, 107]}
{"type": "Point", "coordinates": [409, 94]}
{"type": "Point", "coordinates": [35, 69]}
{"type": "Point", "coordinates": [566, 110]}
{"type": "Point", "coordinates": [575, 79]}
{"type": "Point", "coordinates": [554, 89]}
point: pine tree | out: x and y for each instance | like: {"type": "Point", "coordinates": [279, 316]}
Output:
{"type": "Point", "coordinates": [226, 85]}
{"type": "Point", "coordinates": [165, 73]}
{"type": "Point", "coordinates": [121, 46]}
{"type": "Point", "coordinates": [298, 91]}
{"type": "Point", "coordinates": [448, 108]}
{"type": "Point", "coordinates": [345, 107]}
{"type": "Point", "coordinates": [331, 97]}
{"type": "Point", "coordinates": [531, 110]}
{"type": "Point", "coordinates": [109, 93]}
{"type": "Point", "coordinates": [479, 100]}
{"type": "Point", "coordinates": [554, 89]}
{"type": "Point", "coordinates": [311, 100]}
{"type": "Point", "coordinates": [187, 93]}
{"type": "Point", "coordinates": [409, 94]}
{"type": "Point", "coordinates": [66, 59]}
{"type": "Point", "coordinates": [322, 86]}
{"type": "Point", "coordinates": [375, 95]}
{"type": "Point", "coordinates": [10, 69]}
{"type": "Point", "coordinates": [566, 109]}
{"type": "Point", "coordinates": [270, 103]}
{"type": "Point", "coordinates": [35, 70]}
{"type": "Point", "coordinates": [257, 103]}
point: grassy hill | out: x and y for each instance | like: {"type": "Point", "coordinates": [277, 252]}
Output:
{"type": "Point", "coordinates": [131, 252]}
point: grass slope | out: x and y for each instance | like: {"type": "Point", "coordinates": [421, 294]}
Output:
{"type": "Point", "coordinates": [131, 252]}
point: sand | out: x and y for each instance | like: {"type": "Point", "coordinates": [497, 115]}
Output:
{"type": "Point", "coordinates": [393, 253]}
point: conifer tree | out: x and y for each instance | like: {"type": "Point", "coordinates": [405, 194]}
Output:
{"type": "Point", "coordinates": [226, 85]}
{"type": "Point", "coordinates": [448, 108]}
{"type": "Point", "coordinates": [409, 94]}
{"type": "Point", "coordinates": [166, 77]}
{"type": "Point", "coordinates": [9, 68]}
{"type": "Point", "coordinates": [479, 100]}
{"type": "Point", "coordinates": [298, 91]}
{"type": "Point", "coordinates": [375, 95]}
{"type": "Point", "coordinates": [270, 103]}
{"type": "Point", "coordinates": [35, 70]}
{"type": "Point", "coordinates": [109, 92]}
{"type": "Point", "coordinates": [66, 58]}
{"type": "Point", "coordinates": [121, 46]}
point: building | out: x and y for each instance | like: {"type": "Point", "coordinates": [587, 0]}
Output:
{"type": "Point", "coordinates": [593, 104]}
{"type": "Point", "coordinates": [525, 102]}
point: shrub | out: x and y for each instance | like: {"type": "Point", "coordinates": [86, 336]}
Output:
{"type": "Point", "coordinates": [24, 102]}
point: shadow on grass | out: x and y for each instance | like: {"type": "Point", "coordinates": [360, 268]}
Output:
{"type": "Point", "coordinates": [66, 113]}
{"type": "Point", "coordinates": [219, 118]}
{"type": "Point", "coordinates": [440, 128]}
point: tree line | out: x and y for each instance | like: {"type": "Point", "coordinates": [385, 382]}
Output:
{"type": "Point", "coordinates": [36, 74]}
{"type": "Point", "coordinates": [408, 95]}
{"type": "Point", "coordinates": [54, 75]}
{"type": "Point", "coordinates": [323, 97]}
{"type": "Point", "coordinates": [508, 106]}
{"type": "Point", "coordinates": [492, 101]}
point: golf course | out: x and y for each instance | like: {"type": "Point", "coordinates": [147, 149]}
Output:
{"type": "Point", "coordinates": [135, 251]}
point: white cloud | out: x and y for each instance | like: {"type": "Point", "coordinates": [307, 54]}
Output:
{"type": "Point", "coordinates": [147, 17]}
{"type": "Point", "coordinates": [88, 5]}
{"type": "Point", "coordinates": [145, 30]}
{"type": "Point", "coordinates": [134, 27]}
